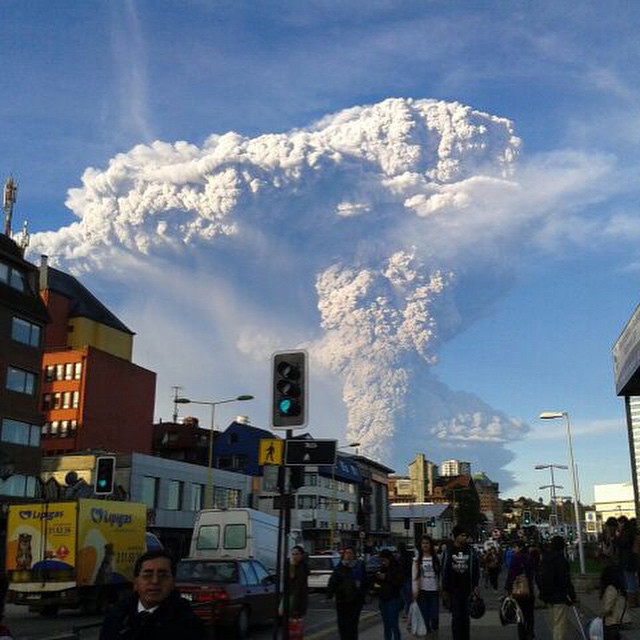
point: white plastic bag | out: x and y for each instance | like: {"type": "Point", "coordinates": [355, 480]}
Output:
{"type": "Point", "coordinates": [596, 629]}
{"type": "Point", "coordinates": [417, 627]}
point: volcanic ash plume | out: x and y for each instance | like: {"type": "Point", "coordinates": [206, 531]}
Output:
{"type": "Point", "coordinates": [375, 209]}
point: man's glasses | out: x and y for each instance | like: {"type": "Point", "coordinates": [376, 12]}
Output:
{"type": "Point", "coordinates": [159, 575]}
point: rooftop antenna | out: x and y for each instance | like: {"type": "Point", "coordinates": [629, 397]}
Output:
{"type": "Point", "coordinates": [8, 200]}
{"type": "Point", "coordinates": [176, 395]}
{"type": "Point", "coordinates": [23, 239]}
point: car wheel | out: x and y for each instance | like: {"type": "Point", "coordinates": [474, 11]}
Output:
{"type": "Point", "coordinates": [242, 624]}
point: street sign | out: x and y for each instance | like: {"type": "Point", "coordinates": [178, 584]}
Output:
{"type": "Point", "coordinates": [310, 452]}
{"type": "Point", "coordinates": [271, 451]}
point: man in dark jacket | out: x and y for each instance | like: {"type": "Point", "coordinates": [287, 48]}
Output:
{"type": "Point", "coordinates": [155, 611]}
{"type": "Point", "coordinates": [556, 588]}
{"type": "Point", "coordinates": [460, 577]}
{"type": "Point", "coordinates": [348, 583]}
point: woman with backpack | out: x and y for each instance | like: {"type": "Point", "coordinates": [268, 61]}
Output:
{"type": "Point", "coordinates": [613, 601]}
{"type": "Point", "coordinates": [520, 585]}
{"type": "Point", "coordinates": [426, 583]}
{"type": "Point", "coordinates": [389, 580]}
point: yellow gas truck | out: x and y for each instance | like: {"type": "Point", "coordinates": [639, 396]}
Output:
{"type": "Point", "coordinates": [72, 554]}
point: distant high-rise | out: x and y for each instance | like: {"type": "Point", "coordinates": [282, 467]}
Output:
{"type": "Point", "coordinates": [455, 468]}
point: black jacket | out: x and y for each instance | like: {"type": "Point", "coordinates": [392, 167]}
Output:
{"type": "Point", "coordinates": [555, 580]}
{"type": "Point", "coordinates": [174, 618]}
{"type": "Point", "coordinates": [348, 584]}
{"type": "Point", "coordinates": [389, 580]}
{"type": "Point", "coordinates": [298, 589]}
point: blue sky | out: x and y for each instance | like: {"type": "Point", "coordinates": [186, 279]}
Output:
{"type": "Point", "coordinates": [84, 82]}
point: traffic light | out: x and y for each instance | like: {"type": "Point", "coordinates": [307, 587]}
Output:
{"type": "Point", "coordinates": [289, 406]}
{"type": "Point", "coordinates": [526, 518]}
{"type": "Point", "coordinates": [105, 475]}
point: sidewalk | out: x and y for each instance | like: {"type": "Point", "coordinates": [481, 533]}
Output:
{"type": "Point", "coordinates": [589, 606]}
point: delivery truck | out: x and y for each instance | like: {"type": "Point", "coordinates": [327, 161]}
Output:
{"type": "Point", "coordinates": [236, 533]}
{"type": "Point", "coordinates": [72, 554]}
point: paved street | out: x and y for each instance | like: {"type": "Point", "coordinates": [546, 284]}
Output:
{"type": "Point", "coordinates": [320, 623]}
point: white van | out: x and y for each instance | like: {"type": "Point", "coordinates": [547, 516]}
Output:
{"type": "Point", "coordinates": [236, 533]}
{"type": "Point", "coordinates": [320, 569]}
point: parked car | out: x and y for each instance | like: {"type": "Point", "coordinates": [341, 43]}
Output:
{"type": "Point", "coordinates": [233, 594]}
{"type": "Point", "coordinates": [320, 570]}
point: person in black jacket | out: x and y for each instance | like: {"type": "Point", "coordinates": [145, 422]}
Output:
{"type": "Point", "coordinates": [155, 611]}
{"type": "Point", "coordinates": [460, 577]}
{"type": "Point", "coordinates": [348, 583]}
{"type": "Point", "coordinates": [556, 588]}
{"type": "Point", "coordinates": [389, 580]}
{"type": "Point", "coordinates": [522, 564]}
{"type": "Point", "coordinates": [298, 583]}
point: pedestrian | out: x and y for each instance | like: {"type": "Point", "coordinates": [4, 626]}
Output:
{"type": "Point", "coordinates": [556, 588]}
{"type": "Point", "coordinates": [613, 601]}
{"type": "Point", "coordinates": [608, 542]}
{"type": "Point", "coordinates": [405, 560]}
{"type": "Point", "coordinates": [627, 559]}
{"type": "Point", "coordinates": [389, 579]}
{"type": "Point", "coordinates": [298, 583]}
{"type": "Point", "coordinates": [348, 584]}
{"type": "Point", "coordinates": [426, 583]}
{"type": "Point", "coordinates": [460, 577]}
{"type": "Point", "coordinates": [508, 555]}
{"type": "Point", "coordinates": [492, 561]}
{"type": "Point", "coordinates": [155, 610]}
{"type": "Point", "coordinates": [521, 571]}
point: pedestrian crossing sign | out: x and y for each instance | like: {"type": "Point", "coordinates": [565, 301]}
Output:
{"type": "Point", "coordinates": [271, 451]}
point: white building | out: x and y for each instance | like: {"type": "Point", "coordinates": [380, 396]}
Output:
{"type": "Point", "coordinates": [614, 500]}
{"type": "Point", "coordinates": [455, 468]}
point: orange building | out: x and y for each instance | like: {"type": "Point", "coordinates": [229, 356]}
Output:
{"type": "Point", "coordinates": [93, 396]}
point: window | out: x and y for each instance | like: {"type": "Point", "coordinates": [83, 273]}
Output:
{"type": "Point", "coordinates": [174, 495]}
{"type": "Point", "coordinates": [46, 401]}
{"type": "Point", "coordinates": [75, 399]}
{"type": "Point", "coordinates": [20, 433]}
{"type": "Point", "coordinates": [21, 381]}
{"type": "Point", "coordinates": [261, 572]}
{"type": "Point", "coordinates": [57, 400]}
{"type": "Point", "coordinates": [77, 370]}
{"type": "Point", "coordinates": [197, 491]}
{"type": "Point", "coordinates": [66, 400]}
{"type": "Point", "coordinates": [149, 491]}
{"type": "Point", "coordinates": [19, 486]}
{"type": "Point", "coordinates": [68, 371]}
{"type": "Point", "coordinates": [49, 372]}
{"type": "Point", "coordinates": [17, 280]}
{"type": "Point", "coordinates": [59, 371]}
{"type": "Point", "coordinates": [306, 502]}
{"type": "Point", "coordinates": [310, 479]}
{"type": "Point", "coordinates": [208, 537]}
{"type": "Point", "coordinates": [235, 536]}
{"type": "Point", "coordinates": [249, 575]}
{"type": "Point", "coordinates": [25, 332]}
{"type": "Point", "coordinates": [54, 427]}
{"type": "Point", "coordinates": [64, 427]}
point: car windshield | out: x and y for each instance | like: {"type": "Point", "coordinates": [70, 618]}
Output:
{"type": "Point", "coordinates": [206, 571]}
{"type": "Point", "coordinates": [324, 563]}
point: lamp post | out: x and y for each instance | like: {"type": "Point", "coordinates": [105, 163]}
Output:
{"type": "Point", "coordinates": [213, 404]}
{"type": "Point", "coordinates": [553, 486]}
{"type": "Point", "coordinates": [555, 415]}
{"type": "Point", "coordinates": [334, 497]}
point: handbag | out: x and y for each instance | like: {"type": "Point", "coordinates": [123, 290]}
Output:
{"type": "Point", "coordinates": [296, 628]}
{"type": "Point", "coordinates": [520, 587]}
{"type": "Point", "coordinates": [417, 627]}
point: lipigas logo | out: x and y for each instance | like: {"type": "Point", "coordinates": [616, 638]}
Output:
{"type": "Point", "coordinates": [28, 514]}
{"type": "Point", "coordinates": [99, 516]}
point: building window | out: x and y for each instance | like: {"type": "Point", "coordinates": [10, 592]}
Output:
{"type": "Point", "coordinates": [310, 479]}
{"type": "Point", "coordinates": [73, 425]}
{"type": "Point", "coordinates": [68, 371]}
{"type": "Point", "coordinates": [57, 400]}
{"type": "Point", "coordinates": [174, 495]}
{"type": "Point", "coordinates": [64, 428]}
{"type": "Point", "coordinates": [197, 494]}
{"type": "Point", "coordinates": [307, 502]}
{"type": "Point", "coordinates": [25, 332]}
{"type": "Point", "coordinates": [54, 427]}
{"type": "Point", "coordinates": [75, 399]}
{"type": "Point", "coordinates": [20, 433]}
{"type": "Point", "coordinates": [19, 486]}
{"type": "Point", "coordinates": [150, 491]}
{"type": "Point", "coordinates": [66, 400]}
{"type": "Point", "coordinates": [46, 401]}
{"type": "Point", "coordinates": [77, 370]}
{"type": "Point", "coordinates": [21, 381]}
{"type": "Point", "coordinates": [59, 371]}
{"type": "Point", "coordinates": [49, 373]}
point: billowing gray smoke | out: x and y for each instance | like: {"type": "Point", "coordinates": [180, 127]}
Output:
{"type": "Point", "coordinates": [370, 218]}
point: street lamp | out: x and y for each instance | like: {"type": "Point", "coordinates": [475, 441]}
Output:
{"type": "Point", "coordinates": [553, 486]}
{"type": "Point", "coordinates": [334, 497]}
{"type": "Point", "coordinates": [209, 495]}
{"type": "Point", "coordinates": [555, 415]}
